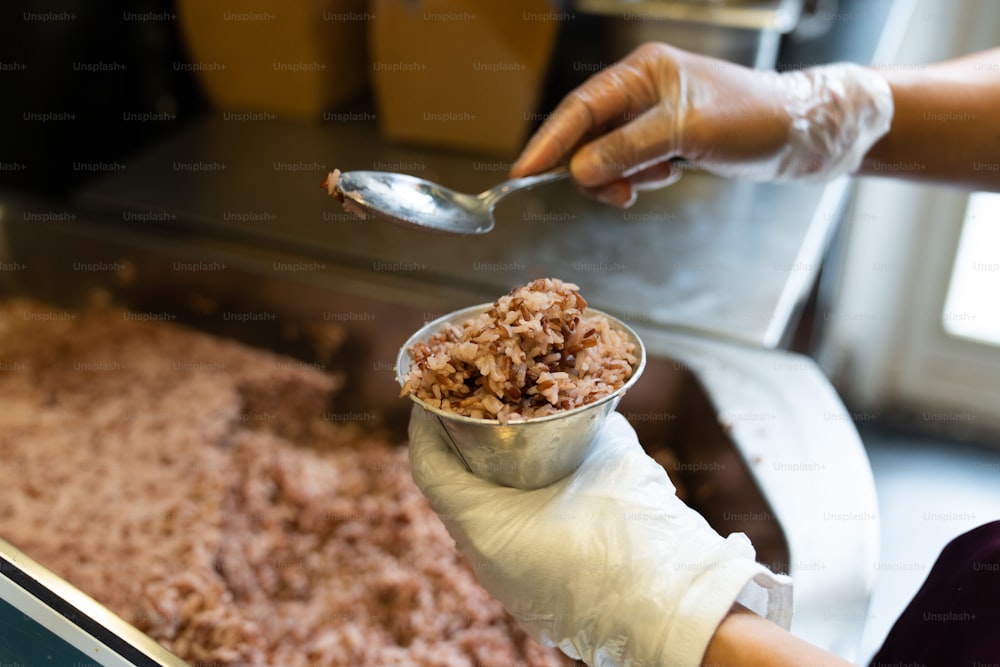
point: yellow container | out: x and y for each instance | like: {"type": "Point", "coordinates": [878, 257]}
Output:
{"type": "Point", "coordinates": [289, 58]}
{"type": "Point", "coordinates": [457, 74]}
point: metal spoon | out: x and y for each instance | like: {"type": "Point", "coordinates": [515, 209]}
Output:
{"type": "Point", "coordinates": [415, 202]}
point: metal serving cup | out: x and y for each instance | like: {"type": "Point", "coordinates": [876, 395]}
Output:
{"type": "Point", "coordinates": [526, 454]}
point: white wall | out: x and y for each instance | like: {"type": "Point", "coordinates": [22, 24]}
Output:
{"type": "Point", "coordinates": [882, 342]}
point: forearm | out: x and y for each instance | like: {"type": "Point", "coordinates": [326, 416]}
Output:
{"type": "Point", "coordinates": [946, 125]}
{"type": "Point", "coordinates": [745, 639]}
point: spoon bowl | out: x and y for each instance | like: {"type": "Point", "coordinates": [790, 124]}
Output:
{"type": "Point", "coordinates": [418, 203]}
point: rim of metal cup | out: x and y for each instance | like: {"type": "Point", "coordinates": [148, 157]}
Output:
{"type": "Point", "coordinates": [459, 316]}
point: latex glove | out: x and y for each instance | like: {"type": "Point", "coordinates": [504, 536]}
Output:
{"type": "Point", "coordinates": [607, 564]}
{"type": "Point", "coordinates": [661, 103]}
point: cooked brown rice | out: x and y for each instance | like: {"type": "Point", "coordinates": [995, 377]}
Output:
{"type": "Point", "coordinates": [332, 185]}
{"type": "Point", "coordinates": [533, 353]}
{"type": "Point", "coordinates": [200, 489]}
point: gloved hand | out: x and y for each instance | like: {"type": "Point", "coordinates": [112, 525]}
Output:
{"type": "Point", "coordinates": [607, 564]}
{"type": "Point", "coordinates": [661, 103]}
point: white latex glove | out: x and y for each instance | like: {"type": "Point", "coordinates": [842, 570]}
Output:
{"type": "Point", "coordinates": [607, 564]}
{"type": "Point", "coordinates": [624, 126]}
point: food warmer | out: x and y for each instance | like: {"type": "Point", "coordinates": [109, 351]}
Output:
{"type": "Point", "coordinates": [226, 213]}
{"type": "Point", "coordinates": [763, 444]}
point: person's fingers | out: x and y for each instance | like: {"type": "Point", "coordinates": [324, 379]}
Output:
{"type": "Point", "coordinates": [430, 456]}
{"type": "Point", "coordinates": [626, 150]}
{"type": "Point", "coordinates": [616, 461]}
{"type": "Point", "coordinates": [614, 95]}
{"type": "Point", "coordinates": [617, 193]}
{"type": "Point", "coordinates": [556, 137]}
{"type": "Point", "coordinates": [660, 175]}
{"type": "Point", "coordinates": [441, 476]}
{"type": "Point", "coordinates": [623, 192]}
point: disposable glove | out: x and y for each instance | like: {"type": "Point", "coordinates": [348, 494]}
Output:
{"type": "Point", "coordinates": [607, 564]}
{"type": "Point", "coordinates": [626, 126]}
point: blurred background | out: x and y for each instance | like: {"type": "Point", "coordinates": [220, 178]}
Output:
{"type": "Point", "coordinates": [206, 127]}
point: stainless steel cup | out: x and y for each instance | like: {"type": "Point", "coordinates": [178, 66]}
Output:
{"type": "Point", "coordinates": [526, 454]}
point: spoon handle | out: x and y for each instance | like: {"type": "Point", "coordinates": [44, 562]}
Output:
{"type": "Point", "coordinates": [496, 193]}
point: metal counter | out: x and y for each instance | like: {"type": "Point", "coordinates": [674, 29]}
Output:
{"type": "Point", "coordinates": [758, 439]}
{"type": "Point", "coordinates": [729, 259]}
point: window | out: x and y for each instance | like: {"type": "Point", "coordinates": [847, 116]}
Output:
{"type": "Point", "coordinates": [972, 307]}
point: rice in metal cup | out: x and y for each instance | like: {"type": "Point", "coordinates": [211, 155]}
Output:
{"type": "Point", "coordinates": [529, 453]}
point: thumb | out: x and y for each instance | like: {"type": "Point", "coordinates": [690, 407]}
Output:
{"type": "Point", "coordinates": [430, 454]}
{"type": "Point", "coordinates": [440, 474]}
{"type": "Point", "coordinates": [646, 141]}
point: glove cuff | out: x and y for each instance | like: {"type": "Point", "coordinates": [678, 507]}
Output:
{"type": "Point", "coordinates": [837, 113]}
{"type": "Point", "coordinates": [711, 596]}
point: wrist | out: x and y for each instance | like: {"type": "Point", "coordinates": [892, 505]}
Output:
{"type": "Point", "coordinates": [741, 583]}
{"type": "Point", "coordinates": [668, 616]}
{"type": "Point", "coordinates": [836, 113]}
{"type": "Point", "coordinates": [746, 639]}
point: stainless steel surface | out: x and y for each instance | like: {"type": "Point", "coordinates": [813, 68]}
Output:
{"type": "Point", "coordinates": [762, 443]}
{"type": "Point", "coordinates": [753, 48]}
{"type": "Point", "coordinates": [420, 204]}
{"type": "Point", "coordinates": [725, 258]}
{"type": "Point", "coordinates": [776, 15]}
{"type": "Point", "coordinates": [525, 454]}
{"type": "Point", "coordinates": [747, 33]}
{"type": "Point", "coordinates": [74, 617]}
